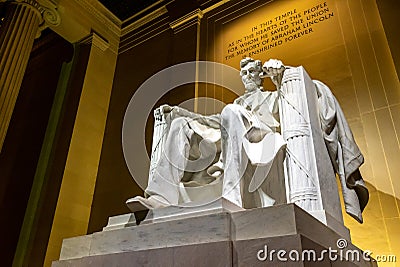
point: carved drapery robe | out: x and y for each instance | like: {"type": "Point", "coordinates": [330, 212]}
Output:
{"type": "Point", "coordinates": [255, 120]}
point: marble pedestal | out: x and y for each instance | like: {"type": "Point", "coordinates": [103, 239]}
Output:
{"type": "Point", "coordinates": [223, 237]}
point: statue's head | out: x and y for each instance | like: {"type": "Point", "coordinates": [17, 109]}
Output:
{"type": "Point", "coordinates": [250, 70]}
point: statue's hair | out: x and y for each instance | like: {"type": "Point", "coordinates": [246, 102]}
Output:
{"type": "Point", "coordinates": [247, 60]}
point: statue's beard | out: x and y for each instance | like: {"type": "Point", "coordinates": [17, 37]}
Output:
{"type": "Point", "coordinates": [251, 86]}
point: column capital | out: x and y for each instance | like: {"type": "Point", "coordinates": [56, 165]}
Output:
{"type": "Point", "coordinates": [46, 10]}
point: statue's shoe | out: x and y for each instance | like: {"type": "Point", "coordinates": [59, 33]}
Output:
{"type": "Point", "coordinates": [139, 203]}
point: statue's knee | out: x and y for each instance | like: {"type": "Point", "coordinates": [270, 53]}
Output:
{"type": "Point", "coordinates": [231, 110]}
{"type": "Point", "coordinates": [178, 124]}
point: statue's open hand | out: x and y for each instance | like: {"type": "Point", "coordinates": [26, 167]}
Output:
{"type": "Point", "coordinates": [165, 108]}
{"type": "Point", "coordinates": [173, 112]}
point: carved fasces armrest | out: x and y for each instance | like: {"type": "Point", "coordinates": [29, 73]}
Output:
{"type": "Point", "coordinates": [163, 117]}
{"type": "Point", "coordinates": [160, 130]}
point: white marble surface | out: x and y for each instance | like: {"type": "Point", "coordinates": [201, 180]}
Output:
{"type": "Point", "coordinates": [189, 210]}
{"type": "Point", "coordinates": [120, 221]}
{"type": "Point", "coordinates": [222, 225]}
{"type": "Point", "coordinates": [332, 223]}
{"type": "Point", "coordinates": [202, 229]}
{"type": "Point", "coordinates": [75, 247]}
{"type": "Point", "coordinates": [281, 226]}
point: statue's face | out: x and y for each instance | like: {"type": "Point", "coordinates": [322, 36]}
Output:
{"type": "Point", "coordinates": [251, 76]}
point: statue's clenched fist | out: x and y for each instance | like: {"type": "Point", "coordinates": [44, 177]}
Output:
{"type": "Point", "coordinates": [274, 69]}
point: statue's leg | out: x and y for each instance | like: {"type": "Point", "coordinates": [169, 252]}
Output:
{"type": "Point", "coordinates": [235, 120]}
{"type": "Point", "coordinates": [172, 163]}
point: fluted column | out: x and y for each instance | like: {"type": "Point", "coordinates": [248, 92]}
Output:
{"type": "Point", "coordinates": [23, 21]}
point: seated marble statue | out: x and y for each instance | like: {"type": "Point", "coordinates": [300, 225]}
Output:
{"type": "Point", "coordinates": [243, 146]}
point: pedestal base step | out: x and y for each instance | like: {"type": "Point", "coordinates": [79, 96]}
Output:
{"type": "Point", "coordinates": [282, 234]}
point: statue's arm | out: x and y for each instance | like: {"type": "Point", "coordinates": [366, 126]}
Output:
{"type": "Point", "coordinates": [212, 121]}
